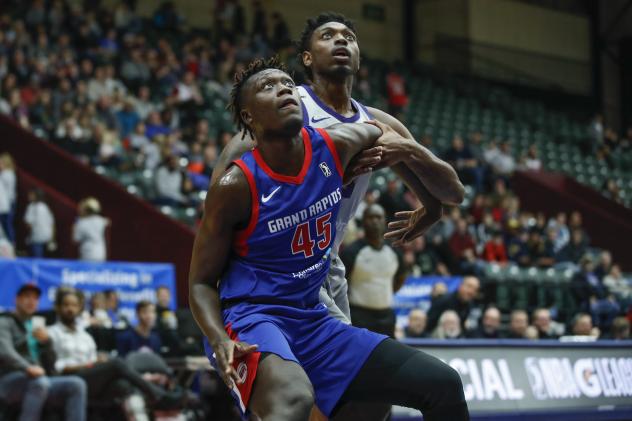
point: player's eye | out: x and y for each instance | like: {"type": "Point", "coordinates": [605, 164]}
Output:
{"type": "Point", "coordinates": [289, 83]}
{"type": "Point", "coordinates": [326, 35]}
{"type": "Point", "coordinates": [350, 37]}
{"type": "Point", "coordinates": [267, 85]}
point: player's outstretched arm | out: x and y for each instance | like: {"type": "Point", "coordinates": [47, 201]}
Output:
{"type": "Point", "coordinates": [437, 175]}
{"type": "Point", "coordinates": [226, 209]}
{"type": "Point", "coordinates": [238, 145]}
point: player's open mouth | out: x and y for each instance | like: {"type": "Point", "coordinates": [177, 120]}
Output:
{"type": "Point", "coordinates": [288, 103]}
{"type": "Point", "coordinates": [341, 53]}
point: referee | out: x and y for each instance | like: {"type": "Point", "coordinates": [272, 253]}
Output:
{"type": "Point", "coordinates": [375, 273]}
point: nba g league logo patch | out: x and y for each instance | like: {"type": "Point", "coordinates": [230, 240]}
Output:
{"type": "Point", "coordinates": [325, 169]}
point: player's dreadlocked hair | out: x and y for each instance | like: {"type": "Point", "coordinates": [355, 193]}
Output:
{"type": "Point", "coordinates": [310, 26]}
{"type": "Point", "coordinates": [253, 68]}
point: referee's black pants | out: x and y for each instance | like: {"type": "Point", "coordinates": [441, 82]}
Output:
{"type": "Point", "coordinates": [378, 321]}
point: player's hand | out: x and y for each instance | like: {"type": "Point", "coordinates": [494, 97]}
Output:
{"type": "Point", "coordinates": [412, 224]}
{"type": "Point", "coordinates": [362, 163]}
{"type": "Point", "coordinates": [225, 353]}
{"type": "Point", "coordinates": [392, 144]}
{"type": "Point", "coordinates": [35, 371]}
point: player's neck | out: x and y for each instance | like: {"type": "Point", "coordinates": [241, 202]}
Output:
{"type": "Point", "coordinates": [377, 243]}
{"type": "Point", "coordinates": [283, 155]}
{"type": "Point", "coordinates": [336, 94]}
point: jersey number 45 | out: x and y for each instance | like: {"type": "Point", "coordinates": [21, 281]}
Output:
{"type": "Point", "coordinates": [302, 241]}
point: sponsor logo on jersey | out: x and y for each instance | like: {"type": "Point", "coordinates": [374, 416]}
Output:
{"type": "Point", "coordinates": [315, 120]}
{"type": "Point", "coordinates": [242, 372]}
{"type": "Point", "coordinates": [325, 169]}
{"type": "Point", "coordinates": [265, 199]}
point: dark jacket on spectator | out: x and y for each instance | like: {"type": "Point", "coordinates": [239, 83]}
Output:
{"type": "Point", "coordinates": [14, 349]}
{"type": "Point", "coordinates": [479, 333]}
{"type": "Point", "coordinates": [584, 286]}
{"type": "Point", "coordinates": [130, 340]}
{"type": "Point", "coordinates": [447, 302]}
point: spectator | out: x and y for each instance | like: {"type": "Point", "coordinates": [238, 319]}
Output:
{"type": "Point", "coordinates": [489, 328]}
{"type": "Point", "coordinates": [542, 322]}
{"type": "Point", "coordinates": [620, 330]}
{"type": "Point", "coordinates": [396, 92]}
{"type": "Point", "coordinates": [464, 162]}
{"type": "Point", "coordinates": [503, 162]}
{"type": "Point", "coordinates": [495, 249]}
{"type": "Point", "coordinates": [9, 189]}
{"type": "Point", "coordinates": [562, 233]}
{"type": "Point", "coordinates": [416, 324]}
{"type": "Point", "coordinates": [586, 286]}
{"type": "Point", "coordinates": [460, 301]}
{"type": "Point", "coordinates": [375, 274]}
{"type": "Point", "coordinates": [89, 231]}
{"type": "Point", "coordinates": [143, 337]}
{"type": "Point", "coordinates": [169, 183]}
{"type": "Point", "coordinates": [26, 355]}
{"type": "Point", "coordinates": [540, 250]}
{"type": "Point", "coordinates": [604, 265]}
{"type": "Point", "coordinates": [611, 190]}
{"type": "Point", "coordinates": [575, 249]}
{"type": "Point", "coordinates": [391, 199]}
{"type": "Point", "coordinates": [461, 241]}
{"type": "Point", "coordinates": [98, 311]}
{"type": "Point", "coordinates": [117, 318]}
{"type": "Point", "coordinates": [166, 317]}
{"type": "Point", "coordinates": [449, 326]}
{"type": "Point", "coordinates": [531, 160]}
{"type": "Point", "coordinates": [41, 223]}
{"type": "Point", "coordinates": [77, 354]}
{"type": "Point", "coordinates": [518, 324]}
{"type": "Point", "coordinates": [439, 289]}
{"type": "Point", "coordinates": [582, 325]}
{"type": "Point", "coordinates": [618, 285]}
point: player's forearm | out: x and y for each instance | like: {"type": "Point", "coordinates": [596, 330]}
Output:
{"type": "Point", "coordinates": [206, 308]}
{"type": "Point", "coordinates": [436, 175]}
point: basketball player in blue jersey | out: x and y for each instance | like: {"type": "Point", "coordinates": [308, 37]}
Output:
{"type": "Point", "coordinates": [261, 255]}
{"type": "Point", "coordinates": [331, 58]}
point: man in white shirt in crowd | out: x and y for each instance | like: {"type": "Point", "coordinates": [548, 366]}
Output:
{"type": "Point", "coordinates": [106, 378]}
{"type": "Point", "coordinates": [89, 231]}
{"type": "Point", "coordinates": [41, 223]}
{"type": "Point", "coordinates": [504, 163]}
{"type": "Point", "coordinates": [169, 183]}
{"type": "Point", "coordinates": [26, 355]}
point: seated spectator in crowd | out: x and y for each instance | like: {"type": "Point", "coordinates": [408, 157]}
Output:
{"type": "Point", "coordinates": [489, 327]}
{"type": "Point", "coordinates": [170, 182]}
{"type": "Point", "coordinates": [391, 199]}
{"type": "Point", "coordinates": [26, 356]}
{"type": "Point", "coordinates": [542, 322]}
{"type": "Point", "coordinates": [416, 324]}
{"type": "Point", "coordinates": [89, 231]}
{"type": "Point", "coordinates": [449, 326]}
{"type": "Point", "coordinates": [581, 325]}
{"type": "Point", "coordinates": [618, 285]}
{"type": "Point", "coordinates": [603, 266]}
{"type": "Point", "coordinates": [592, 296]}
{"type": "Point", "coordinates": [98, 311]}
{"type": "Point", "coordinates": [461, 241]}
{"type": "Point", "coordinates": [562, 233]}
{"type": "Point", "coordinates": [540, 249]}
{"type": "Point", "coordinates": [575, 249]}
{"type": "Point", "coordinates": [503, 163]}
{"type": "Point", "coordinates": [495, 249]}
{"type": "Point", "coordinates": [620, 330]}
{"type": "Point", "coordinates": [460, 301]}
{"type": "Point", "coordinates": [166, 317]}
{"type": "Point", "coordinates": [142, 337]}
{"type": "Point", "coordinates": [107, 379]}
{"type": "Point", "coordinates": [439, 289]}
{"type": "Point", "coordinates": [531, 161]}
{"type": "Point", "coordinates": [117, 319]}
{"type": "Point", "coordinates": [40, 222]}
{"type": "Point", "coordinates": [465, 163]}
{"type": "Point", "coordinates": [518, 324]}
{"type": "Point", "coordinates": [518, 248]}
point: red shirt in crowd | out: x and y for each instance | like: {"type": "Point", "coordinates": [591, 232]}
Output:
{"type": "Point", "coordinates": [396, 90]}
{"type": "Point", "coordinates": [495, 252]}
{"type": "Point", "coordinates": [460, 242]}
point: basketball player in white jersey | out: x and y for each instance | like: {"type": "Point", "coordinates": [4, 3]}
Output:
{"type": "Point", "coordinates": [331, 57]}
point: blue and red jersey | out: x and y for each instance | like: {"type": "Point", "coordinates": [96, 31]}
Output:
{"type": "Point", "coordinates": [282, 256]}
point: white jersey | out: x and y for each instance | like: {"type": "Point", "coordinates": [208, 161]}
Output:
{"type": "Point", "coordinates": [317, 114]}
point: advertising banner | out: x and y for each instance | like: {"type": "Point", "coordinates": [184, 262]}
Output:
{"type": "Point", "coordinates": [132, 281]}
{"type": "Point", "coordinates": [529, 377]}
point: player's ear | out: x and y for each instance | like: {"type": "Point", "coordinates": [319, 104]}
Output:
{"type": "Point", "coordinates": [307, 58]}
{"type": "Point", "coordinates": [246, 117]}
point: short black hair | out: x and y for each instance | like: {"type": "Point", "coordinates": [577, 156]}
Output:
{"type": "Point", "coordinates": [241, 78]}
{"type": "Point", "coordinates": [142, 304]}
{"type": "Point", "coordinates": [311, 24]}
{"type": "Point", "coordinates": [64, 291]}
